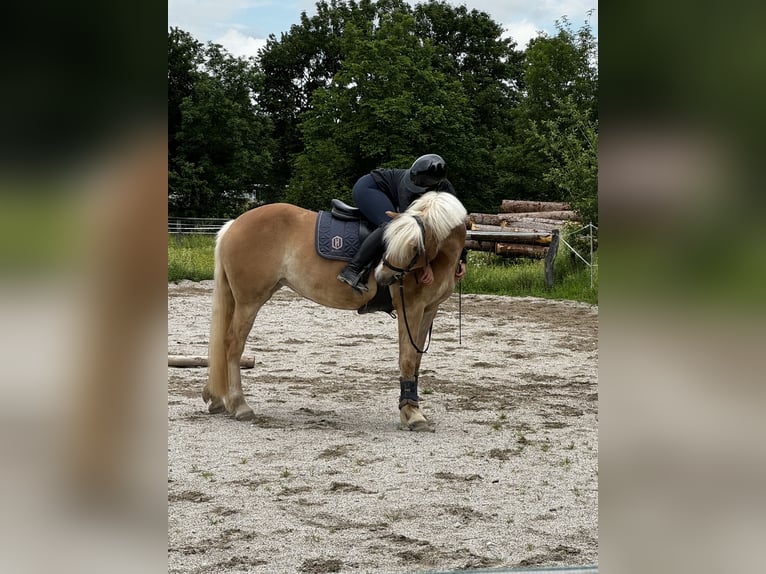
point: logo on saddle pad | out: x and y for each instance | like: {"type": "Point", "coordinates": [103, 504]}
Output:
{"type": "Point", "coordinates": [338, 239]}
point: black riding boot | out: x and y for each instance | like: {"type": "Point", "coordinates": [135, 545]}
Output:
{"type": "Point", "coordinates": [358, 269]}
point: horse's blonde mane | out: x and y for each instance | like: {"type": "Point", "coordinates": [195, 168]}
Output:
{"type": "Point", "coordinates": [441, 213]}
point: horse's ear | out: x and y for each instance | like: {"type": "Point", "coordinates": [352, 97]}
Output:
{"type": "Point", "coordinates": [392, 214]}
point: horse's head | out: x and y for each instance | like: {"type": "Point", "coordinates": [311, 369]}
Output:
{"type": "Point", "coordinates": [413, 238]}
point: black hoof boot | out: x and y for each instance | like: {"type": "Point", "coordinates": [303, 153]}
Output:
{"type": "Point", "coordinates": [353, 277]}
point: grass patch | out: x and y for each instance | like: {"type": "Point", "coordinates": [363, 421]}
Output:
{"type": "Point", "coordinates": [191, 257]}
{"type": "Point", "coordinates": [494, 275]}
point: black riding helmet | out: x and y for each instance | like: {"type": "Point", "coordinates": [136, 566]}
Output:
{"type": "Point", "coordinates": [426, 173]}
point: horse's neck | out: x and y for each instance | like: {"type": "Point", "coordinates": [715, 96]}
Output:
{"type": "Point", "coordinates": [450, 248]}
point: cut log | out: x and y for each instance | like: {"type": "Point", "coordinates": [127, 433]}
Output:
{"type": "Point", "coordinates": [481, 227]}
{"type": "Point", "coordinates": [484, 219]}
{"type": "Point", "coordinates": [520, 250]}
{"type": "Point", "coordinates": [523, 206]}
{"type": "Point", "coordinates": [182, 361]}
{"type": "Point", "coordinates": [556, 215]}
{"type": "Point", "coordinates": [510, 237]}
{"type": "Point", "coordinates": [516, 221]}
{"type": "Point", "coordinates": [532, 227]}
{"type": "Point", "coordinates": [508, 218]}
{"type": "Point", "coordinates": [473, 245]}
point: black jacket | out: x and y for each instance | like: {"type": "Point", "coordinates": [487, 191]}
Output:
{"type": "Point", "coordinates": [396, 184]}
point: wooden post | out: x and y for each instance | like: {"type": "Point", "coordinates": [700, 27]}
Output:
{"type": "Point", "coordinates": [550, 258]}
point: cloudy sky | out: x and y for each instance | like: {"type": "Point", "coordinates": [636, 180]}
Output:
{"type": "Point", "coordinates": [242, 26]}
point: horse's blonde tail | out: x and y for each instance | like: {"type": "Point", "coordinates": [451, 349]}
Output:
{"type": "Point", "coordinates": [223, 310]}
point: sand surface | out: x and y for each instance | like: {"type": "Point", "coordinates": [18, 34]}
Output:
{"type": "Point", "coordinates": [324, 480]}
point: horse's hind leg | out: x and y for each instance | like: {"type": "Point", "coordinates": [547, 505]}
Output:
{"type": "Point", "coordinates": [241, 324]}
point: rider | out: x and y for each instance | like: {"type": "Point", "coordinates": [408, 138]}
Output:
{"type": "Point", "coordinates": [393, 190]}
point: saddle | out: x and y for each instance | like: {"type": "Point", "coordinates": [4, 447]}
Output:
{"type": "Point", "coordinates": [339, 234]}
{"type": "Point", "coordinates": [341, 231]}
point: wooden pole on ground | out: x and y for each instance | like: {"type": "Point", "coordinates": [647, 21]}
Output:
{"type": "Point", "coordinates": [186, 362]}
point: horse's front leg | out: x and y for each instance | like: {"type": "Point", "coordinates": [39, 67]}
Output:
{"type": "Point", "coordinates": [410, 413]}
{"type": "Point", "coordinates": [424, 337]}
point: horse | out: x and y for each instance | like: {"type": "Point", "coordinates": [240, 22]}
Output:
{"type": "Point", "coordinates": [273, 246]}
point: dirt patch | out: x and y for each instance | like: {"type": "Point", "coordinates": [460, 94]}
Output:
{"type": "Point", "coordinates": [325, 481]}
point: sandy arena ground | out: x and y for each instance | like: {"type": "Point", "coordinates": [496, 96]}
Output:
{"type": "Point", "coordinates": [325, 481]}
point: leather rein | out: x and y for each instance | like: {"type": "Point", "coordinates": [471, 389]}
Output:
{"type": "Point", "coordinates": [400, 274]}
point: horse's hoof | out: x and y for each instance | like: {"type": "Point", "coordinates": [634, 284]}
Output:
{"type": "Point", "coordinates": [216, 407]}
{"type": "Point", "coordinates": [422, 426]}
{"type": "Point", "coordinates": [245, 415]}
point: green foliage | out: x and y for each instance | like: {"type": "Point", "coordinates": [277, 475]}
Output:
{"type": "Point", "coordinates": [571, 143]}
{"type": "Point", "coordinates": [552, 151]}
{"type": "Point", "coordinates": [385, 105]}
{"type": "Point", "coordinates": [366, 84]}
{"type": "Point", "coordinates": [220, 142]}
{"type": "Point", "coordinates": [190, 257]}
{"type": "Point", "coordinates": [565, 125]}
{"type": "Point", "coordinates": [487, 273]}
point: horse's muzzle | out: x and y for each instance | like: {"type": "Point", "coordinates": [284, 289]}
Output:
{"type": "Point", "coordinates": [385, 276]}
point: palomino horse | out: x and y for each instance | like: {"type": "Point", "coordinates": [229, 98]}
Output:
{"type": "Point", "coordinates": [272, 246]}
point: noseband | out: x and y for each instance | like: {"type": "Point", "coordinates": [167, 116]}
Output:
{"type": "Point", "coordinates": [400, 273]}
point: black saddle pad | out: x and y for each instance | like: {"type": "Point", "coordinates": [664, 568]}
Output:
{"type": "Point", "coordinates": [336, 239]}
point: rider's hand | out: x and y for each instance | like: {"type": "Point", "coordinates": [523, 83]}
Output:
{"type": "Point", "coordinates": [427, 275]}
{"type": "Point", "coordinates": [460, 271]}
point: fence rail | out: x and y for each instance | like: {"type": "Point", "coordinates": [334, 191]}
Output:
{"type": "Point", "coordinates": [179, 226]}
{"type": "Point", "coordinates": [195, 225]}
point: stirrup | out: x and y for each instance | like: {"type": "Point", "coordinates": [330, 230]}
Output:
{"type": "Point", "coordinates": [354, 282]}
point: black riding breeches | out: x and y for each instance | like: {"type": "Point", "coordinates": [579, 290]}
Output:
{"type": "Point", "coordinates": [372, 201]}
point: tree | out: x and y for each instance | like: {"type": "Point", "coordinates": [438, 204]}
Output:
{"type": "Point", "coordinates": [571, 143]}
{"type": "Point", "coordinates": [221, 143]}
{"type": "Point", "coordinates": [469, 46]}
{"type": "Point", "coordinates": [385, 106]}
{"type": "Point", "coordinates": [185, 57]}
{"type": "Point", "coordinates": [560, 87]}
{"type": "Point", "coordinates": [435, 78]}
{"type": "Point", "coordinates": [366, 84]}
{"type": "Point", "coordinates": [295, 66]}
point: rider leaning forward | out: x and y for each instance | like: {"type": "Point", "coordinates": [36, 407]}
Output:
{"type": "Point", "coordinates": [394, 190]}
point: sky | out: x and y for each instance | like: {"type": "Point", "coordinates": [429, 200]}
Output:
{"type": "Point", "coordinates": [242, 26]}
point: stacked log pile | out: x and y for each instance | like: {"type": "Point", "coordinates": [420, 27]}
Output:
{"type": "Point", "coordinates": [521, 229]}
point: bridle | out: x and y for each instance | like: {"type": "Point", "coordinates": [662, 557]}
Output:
{"type": "Point", "coordinates": [401, 272]}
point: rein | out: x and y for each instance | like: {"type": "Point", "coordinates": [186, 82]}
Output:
{"type": "Point", "coordinates": [401, 272]}
{"type": "Point", "coordinates": [407, 323]}
{"type": "Point", "coordinates": [460, 314]}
